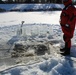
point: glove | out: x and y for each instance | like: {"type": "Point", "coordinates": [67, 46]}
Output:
{"type": "Point", "coordinates": [67, 25]}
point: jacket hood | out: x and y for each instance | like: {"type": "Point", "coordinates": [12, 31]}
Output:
{"type": "Point", "coordinates": [67, 2]}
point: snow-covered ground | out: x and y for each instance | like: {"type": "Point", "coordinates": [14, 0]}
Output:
{"type": "Point", "coordinates": [15, 18]}
{"type": "Point", "coordinates": [38, 28]}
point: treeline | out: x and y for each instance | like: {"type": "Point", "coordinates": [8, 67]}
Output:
{"type": "Point", "coordinates": [31, 1]}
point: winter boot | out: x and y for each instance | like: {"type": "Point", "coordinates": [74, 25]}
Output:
{"type": "Point", "coordinates": [63, 49]}
{"type": "Point", "coordinates": [66, 52]}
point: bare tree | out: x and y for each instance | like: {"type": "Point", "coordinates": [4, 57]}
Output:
{"type": "Point", "coordinates": [59, 1]}
{"type": "Point", "coordinates": [1, 2]}
{"type": "Point", "coordinates": [28, 1]}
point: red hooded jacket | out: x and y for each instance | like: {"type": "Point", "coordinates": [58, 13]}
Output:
{"type": "Point", "coordinates": [68, 19]}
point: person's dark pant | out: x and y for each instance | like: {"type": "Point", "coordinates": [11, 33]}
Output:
{"type": "Point", "coordinates": [67, 41]}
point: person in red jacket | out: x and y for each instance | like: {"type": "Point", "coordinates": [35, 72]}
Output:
{"type": "Point", "coordinates": [67, 22]}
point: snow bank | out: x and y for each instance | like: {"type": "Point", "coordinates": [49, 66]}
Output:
{"type": "Point", "coordinates": [7, 6]}
{"type": "Point", "coordinates": [25, 7]}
